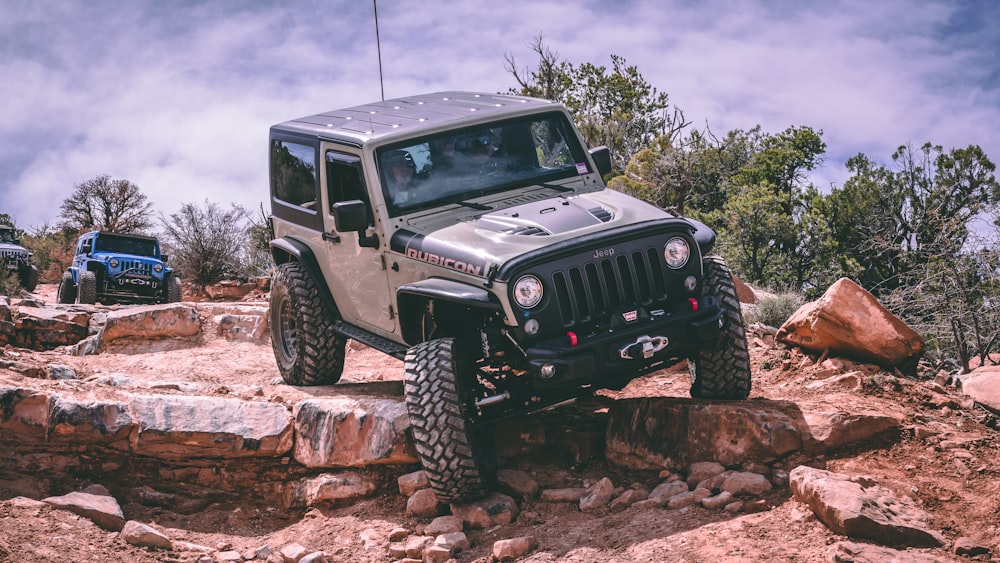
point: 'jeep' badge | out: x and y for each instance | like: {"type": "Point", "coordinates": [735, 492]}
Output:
{"type": "Point", "coordinates": [630, 316]}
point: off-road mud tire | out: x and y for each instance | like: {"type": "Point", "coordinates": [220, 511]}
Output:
{"type": "Point", "coordinates": [173, 289]}
{"type": "Point", "coordinates": [29, 278]}
{"type": "Point", "coordinates": [306, 347]}
{"type": "Point", "coordinates": [722, 371]}
{"type": "Point", "coordinates": [67, 289]}
{"type": "Point", "coordinates": [458, 457]}
{"type": "Point", "coordinates": [87, 288]}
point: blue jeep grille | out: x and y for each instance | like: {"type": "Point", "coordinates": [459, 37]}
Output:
{"type": "Point", "coordinates": [136, 267]}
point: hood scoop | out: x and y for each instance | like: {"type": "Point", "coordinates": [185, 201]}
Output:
{"type": "Point", "coordinates": [546, 217]}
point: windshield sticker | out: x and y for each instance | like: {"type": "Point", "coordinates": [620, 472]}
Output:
{"type": "Point", "coordinates": [581, 168]}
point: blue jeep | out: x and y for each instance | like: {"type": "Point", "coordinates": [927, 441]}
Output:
{"type": "Point", "coordinates": [118, 268]}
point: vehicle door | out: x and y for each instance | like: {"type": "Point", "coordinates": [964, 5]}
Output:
{"type": "Point", "coordinates": [357, 274]}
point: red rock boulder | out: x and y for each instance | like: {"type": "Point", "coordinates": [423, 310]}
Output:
{"type": "Point", "coordinates": [849, 321]}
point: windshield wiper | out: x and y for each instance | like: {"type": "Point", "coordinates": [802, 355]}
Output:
{"type": "Point", "coordinates": [471, 205]}
{"type": "Point", "coordinates": [556, 187]}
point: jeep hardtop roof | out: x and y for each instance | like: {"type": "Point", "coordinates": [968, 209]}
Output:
{"type": "Point", "coordinates": [364, 123]}
{"type": "Point", "coordinates": [120, 235]}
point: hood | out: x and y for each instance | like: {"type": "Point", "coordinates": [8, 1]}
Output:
{"type": "Point", "coordinates": [105, 256]}
{"type": "Point", "coordinates": [11, 247]}
{"type": "Point", "coordinates": [477, 243]}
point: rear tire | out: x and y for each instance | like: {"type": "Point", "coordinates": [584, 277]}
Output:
{"type": "Point", "coordinates": [722, 371]}
{"type": "Point", "coordinates": [458, 457]}
{"type": "Point", "coordinates": [306, 347]}
{"type": "Point", "coordinates": [173, 289]}
{"type": "Point", "coordinates": [67, 289]}
{"type": "Point", "coordinates": [87, 288]}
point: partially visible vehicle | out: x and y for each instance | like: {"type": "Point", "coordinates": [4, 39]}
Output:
{"type": "Point", "coordinates": [118, 268]}
{"type": "Point", "coordinates": [16, 258]}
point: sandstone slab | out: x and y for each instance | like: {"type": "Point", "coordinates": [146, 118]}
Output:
{"type": "Point", "coordinates": [351, 432]}
{"type": "Point", "coordinates": [645, 433]}
{"type": "Point", "coordinates": [146, 322]}
{"type": "Point", "coordinates": [983, 385]}
{"type": "Point", "coordinates": [103, 510]}
{"type": "Point", "coordinates": [859, 508]}
{"type": "Point", "coordinates": [183, 427]}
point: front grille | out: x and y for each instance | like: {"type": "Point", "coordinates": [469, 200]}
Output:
{"type": "Point", "coordinates": [136, 268]}
{"type": "Point", "coordinates": [13, 256]}
{"type": "Point", "coordinates": [598, 287]}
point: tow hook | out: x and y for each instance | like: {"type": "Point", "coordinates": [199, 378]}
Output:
{"type": "Point", "coordinates": [644, 347]}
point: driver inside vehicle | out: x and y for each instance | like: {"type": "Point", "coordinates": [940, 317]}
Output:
{"type": "Point", "coordinates": [400, 172]}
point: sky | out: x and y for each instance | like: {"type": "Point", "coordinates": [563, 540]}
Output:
{"type": "Point", "coordinates": [177, 96]}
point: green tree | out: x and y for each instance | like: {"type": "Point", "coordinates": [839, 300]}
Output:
{"type": "Point", "coordinates": [617, 108]}
{"type": "Point", "coordinates": [906, 234]}
{"type": "Point", "coordinates": [108, 204]}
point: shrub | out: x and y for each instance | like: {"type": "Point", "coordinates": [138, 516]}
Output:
{"type": "Point", "coordinates": [774, 311]}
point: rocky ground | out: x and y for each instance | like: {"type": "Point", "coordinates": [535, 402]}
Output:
{"type": "Point", "coordinates": [945, 461]}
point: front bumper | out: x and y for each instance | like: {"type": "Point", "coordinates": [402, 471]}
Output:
{"type": "Point", "coordinates": [132, 288]}
{"type": "Point", "coordinates": [626, 351]}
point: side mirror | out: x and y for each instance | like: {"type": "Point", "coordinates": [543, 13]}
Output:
{"type": "Point", "coordinates": [163, 258]}
{"type": "Point", "coordinates": [352, 215]}
{"type": "Point", "coordinates": [602, 159]}
{"type": "Point", "coordinates": [87, 248]}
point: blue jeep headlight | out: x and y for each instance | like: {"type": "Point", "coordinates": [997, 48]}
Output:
{"type": "Point", "coordinates": [114, 262]}
{"type": "Point", "coordinates": [157, 268]}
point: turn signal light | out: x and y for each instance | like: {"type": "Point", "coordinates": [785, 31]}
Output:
{"type": "Point", "coordinates": [694, 303]}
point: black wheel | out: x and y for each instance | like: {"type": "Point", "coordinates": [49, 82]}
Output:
{"type": "Point", "coordinates": [67, 289]}
{"type": "Point", "coordinates": [723, 371]}
{"type": "Point", "coordinates": [29, 278]}
{"type": "Point", "coordinates": [173, 289]}
{"type": "Point", "coordinates": [457, 454]}
{"type": "Point", "coordinates": [306, 348]}
{"type": "Point", "coordinates": [87, 288]}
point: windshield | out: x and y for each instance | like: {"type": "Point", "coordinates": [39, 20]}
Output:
{"type": "Point", "coordinates": [7, 235]}
{"type": "Point", "coordinates": [120, 245]}
{"type": "Point", "coordinates": [467, 163]}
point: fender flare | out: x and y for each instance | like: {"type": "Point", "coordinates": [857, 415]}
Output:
{"type": "Point", "coordinates": [288, 249]}
{"type": "Point", "coordinates": [411, 297]}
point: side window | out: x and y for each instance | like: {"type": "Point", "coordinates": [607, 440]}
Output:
{"type": "Point", "coordinates": [345, 181]}
{"type": "Point", "coordinates": [293, 173]}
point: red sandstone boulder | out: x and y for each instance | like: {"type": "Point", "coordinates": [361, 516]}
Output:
{"type": "Point", "coordinates": [849, 321]}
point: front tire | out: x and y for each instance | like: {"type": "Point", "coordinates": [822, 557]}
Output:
{"type": "Point", "coordinates": [173, 289]}
{"type": "Point", "coordinates": [29, 278]}
{"type": "Point", "coordinates": [458, 457]}
{"type": "Point", "coordinates": [306, 347]}
{"type": "Point", "coordinates": [87, 288]}
{"type": "Point", "coordinates": [722, 371]}
{"type": "Point", "coordinates": [67, 289]}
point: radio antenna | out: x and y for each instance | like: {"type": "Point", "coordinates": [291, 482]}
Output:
{"type": "Point", "coordinates": [378, 46]}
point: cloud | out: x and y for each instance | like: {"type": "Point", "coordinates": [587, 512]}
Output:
{"type": "Point", "coordinates": [178, 96]}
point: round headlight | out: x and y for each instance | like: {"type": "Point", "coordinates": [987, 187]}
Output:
{"type": "Point", "coordinates": [676, 252]}
{"type": "Point", "coordinates": [527, 292]}
{"type": "Point", "coordinates": [157, 268]}
{"type": "Point", "coordinates": [114, 262]}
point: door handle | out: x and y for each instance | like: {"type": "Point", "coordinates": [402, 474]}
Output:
{"type": "Point", "coordinates": [331, 237]}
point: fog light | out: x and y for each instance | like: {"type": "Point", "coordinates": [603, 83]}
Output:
{"type": "Point", "coordinates": [547, 371]}
{"type": "Point", "coordinates": [532, 327]}
{"type": "Point", "coordinates": [690, 283]}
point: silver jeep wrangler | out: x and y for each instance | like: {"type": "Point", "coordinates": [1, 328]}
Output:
{"type": "Point", "coordinates": [472, 236]}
